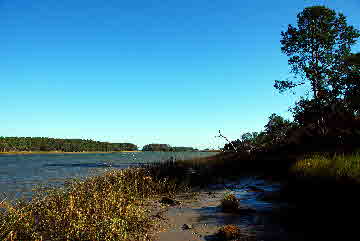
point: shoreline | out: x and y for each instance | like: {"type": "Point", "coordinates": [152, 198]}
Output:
{"type": "Point", "coordinates": [194, 213]}
{"type": "Point", "coordinates": [196, 217]}
{"type": "Point", "coordinates": [85, 152]}
{"type": "Point", "coordinates": [58, 152]}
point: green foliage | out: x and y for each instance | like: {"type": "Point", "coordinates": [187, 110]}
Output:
{"type": "Point", "coordinates": [157, 147]}
{"type": "Point", "coordinates": [319, 51]}
{"type": "Point", "coordinates": [353, 59]}
{"type": "Point", "coordinates": [275, 133]}
{"type": "Point", "coordinates": [352, 94]}
{"type": "Point", "coordinates": [317, 48]}
{"type": "Point", "coordinates": [277, 128]}
{"type": "Point", "coordinates": [325, 126]}
{"type": "Point", "coordinates": [333, 167]}
{"type": "Point", "coordinates": [166, 148]}
{"type": "Point", "coordinates": [13, 144]}
{"type": "Point", "coordinates": [183, 148]}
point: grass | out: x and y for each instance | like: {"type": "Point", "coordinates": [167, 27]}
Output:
{"type": "Point", "coordinates": [116, 204]}
{"type": "Point", "coordinates": [112, 206]}
{"type": "Point", "coordinates": [338, 166]}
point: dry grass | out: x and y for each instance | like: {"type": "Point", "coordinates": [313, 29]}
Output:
{"type": "Point", "coordinates": [233, 232]}
{"type": "Point", "coordinates": [229, 232]}
{"type": "Point", "coordinates": [229, 203]}
{"type": "Point", "coordinates": [112, 206]}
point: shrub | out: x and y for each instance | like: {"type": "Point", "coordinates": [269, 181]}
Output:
{"type": "Point", "coordinates": [229, 203]}
{"type": "Point", "coordinates": [228, 232]}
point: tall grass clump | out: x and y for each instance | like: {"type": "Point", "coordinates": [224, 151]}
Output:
{"type": "Point", "coordinates": [338, 166]}
{"type": "Point", "coordinates": [111, 206]}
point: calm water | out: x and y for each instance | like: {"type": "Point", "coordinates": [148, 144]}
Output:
{"type": "Point", "coordinates": [267, 221]}
{"type": "Point", "coordinates": [19, 174]}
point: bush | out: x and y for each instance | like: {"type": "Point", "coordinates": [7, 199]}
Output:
{"type": "Point", "coordinates": [228, 232]}
{"type": "Point", "coordinates": [229, 203]}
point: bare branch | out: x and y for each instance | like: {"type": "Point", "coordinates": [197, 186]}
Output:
{"type": "Point", "coordinates": [222, 136]}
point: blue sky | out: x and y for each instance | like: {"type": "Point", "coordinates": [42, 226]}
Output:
{"type": "Point", "coordinates": [144, 72]}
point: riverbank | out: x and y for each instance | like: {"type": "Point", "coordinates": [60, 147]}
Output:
{"type": "Point", "coordinates": [82, 211]}
{"type": "Point", "coordinates": [196, 217]}
{"type": "Point", "coordinates": [116, 205]}
{"type": "Point", "coordinates": [111, 206]}
{"type": "Point", "coordinates": [322, 187]}
{"type": "Point", "coordinates": [83, 152]}
{"type": "Point", "coordinates": [59, 152]}
{"type": "Point", "coordinates": [126, 204]}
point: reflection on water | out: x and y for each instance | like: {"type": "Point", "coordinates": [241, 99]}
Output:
{"type": "Point", "coordinates": [20, 174]}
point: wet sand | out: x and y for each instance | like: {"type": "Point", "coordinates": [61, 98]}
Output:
{"type": "Point", "coordinates": [196, 218]}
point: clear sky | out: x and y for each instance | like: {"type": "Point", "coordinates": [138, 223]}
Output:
{"type": "Point", "coordinates": [149, 71]}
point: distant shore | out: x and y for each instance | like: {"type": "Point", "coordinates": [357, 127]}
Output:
{"type": "Point", "coordinates": [63, 152]}
{"type": "Point", "coordinates": [58, 152]}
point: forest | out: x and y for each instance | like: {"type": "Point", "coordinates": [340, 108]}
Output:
{"type": "Point", "coordinates": [166, 148]}
{"type": "Point", "coordinates": [19, 144]}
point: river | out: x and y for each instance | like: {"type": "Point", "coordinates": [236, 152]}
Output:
{"type": "Point", "coordinates": [21, 173]}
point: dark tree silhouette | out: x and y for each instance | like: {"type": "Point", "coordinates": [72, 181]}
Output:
{"type": "Point", "coordinates": [317, 48]}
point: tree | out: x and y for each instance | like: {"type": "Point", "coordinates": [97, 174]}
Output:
{"type": "Point", "coordinates": [276, 129]}
{"type": "Point", "coordinates": [353, 59]}
{"type": "Point", "coordinates": [352, 94]}
{"type": "Point", "coordinates": [248, 142]}
{"type": "Point", "coordinates": [318, 48]}
{"type": "Point", "coordinates": [233, 146]}
{"type": "Point", "coordinates": [53, 144]}
{"type": "Point", "coordinates": [157, 147]}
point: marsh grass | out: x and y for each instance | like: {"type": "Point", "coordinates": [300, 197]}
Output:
{"type": "Point", "coordinates": [201, 172]}
{"type": "Point", "coordinates": [110, 206]}
{"type": "Point", "coordinates": [336, 166]}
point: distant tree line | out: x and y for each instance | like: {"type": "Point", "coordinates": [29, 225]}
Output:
{"type": "Point", "coordinates": [166, 148]}
{"type": "Point", "coordinates": [11, 144]}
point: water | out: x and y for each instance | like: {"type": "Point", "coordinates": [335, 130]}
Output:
{"type": "Point", "coordinates": [20, 174]}
{"type": "Point", "coordinates": [268, 218]}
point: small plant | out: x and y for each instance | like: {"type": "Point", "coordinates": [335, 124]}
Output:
{"type": "Point", "coordinates": [229, 232]}
{"type": "Point", "coordinates": [229, 203]}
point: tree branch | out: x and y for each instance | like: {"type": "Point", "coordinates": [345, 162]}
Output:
{"type": "Point", "coordinates": [222, 136]}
